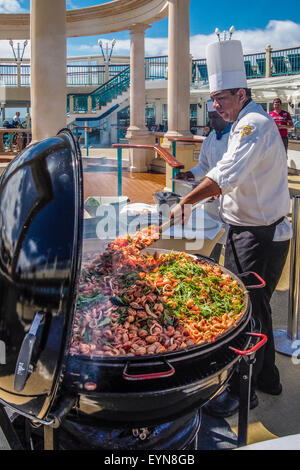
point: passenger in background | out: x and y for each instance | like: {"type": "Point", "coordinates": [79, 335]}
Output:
{"type": "Point", "coordinates": [212, 150]}
{"type": "Point", "coordinates": [16, 119]}
{"type": "Point", "coordinates": [283, 121]}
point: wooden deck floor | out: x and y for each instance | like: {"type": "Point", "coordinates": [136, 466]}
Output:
{"type": "Point", "coordinates": [139, 187]}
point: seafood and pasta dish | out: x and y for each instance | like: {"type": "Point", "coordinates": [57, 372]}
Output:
{"type": "Point", "coordinates": [133, 303]}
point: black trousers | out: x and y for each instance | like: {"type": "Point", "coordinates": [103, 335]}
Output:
{"type": "Point", "coordinates": [253, 249]}
{"type": "Point", "coordinates": [285, 141]}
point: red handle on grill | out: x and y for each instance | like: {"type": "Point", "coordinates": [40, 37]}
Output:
{"type": "Point", "coordinates": [153, 375]}
{"type": "Point", "coordinates": [255, 348]}
{"type": "Point", "coordinates": [257, 286]}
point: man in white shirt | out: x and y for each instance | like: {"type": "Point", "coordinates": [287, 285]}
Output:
{"type": "Point", "coordinates": [16, 119]}
{"type": "Point", "coordinates": [252, 179]}
{"type": "Point", "coordinates": [212, 150]}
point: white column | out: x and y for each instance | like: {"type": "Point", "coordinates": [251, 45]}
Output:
{"type": "Point", "coordinates": [48, 67]}
{"type": "Point", "coordinates": [268, 61]}
{"type": "Point", "coordinates": [179, 67]}
{"type": "Point", "coordinates": [137, 132]}
{"type": "Point", "coordinates": [18, 74]}
{"type": "Point", "coordinates": [137, 81]}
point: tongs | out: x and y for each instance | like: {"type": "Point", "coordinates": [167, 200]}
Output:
{"type": "Point", "coordinates": [163, 226]}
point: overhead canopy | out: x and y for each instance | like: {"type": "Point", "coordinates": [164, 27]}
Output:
{"type": "Point", "coordinates": [286, 87]}
{"type": "Point", "coordinates": [110, 17]}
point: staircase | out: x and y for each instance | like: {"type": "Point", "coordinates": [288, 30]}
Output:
{"type": "Point", "coordinates": [104, 99]}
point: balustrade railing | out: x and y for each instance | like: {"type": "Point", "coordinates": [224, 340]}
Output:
{"type": "Point", "coordinates": [199, 71]}
{"type": "Point", "coordinates": [282, 62]}
{"type": "Point", "coordinates": [285, 61]}
{"type": "Point", "coordinates": [255, 65]}
{"type": "Point", "coordinates": [80, 103]}
{"type": "Point", "coordinates": [12, 141]}
{"type": "Point", "coordinates": [25, 75]}
{"type": "Point", "coordinates": [156, 68]}
{"type": "Point", "coordinates": [111, 89]}
{"type": "Point", "coordinates": [8, 75]}
{"type": "Point", "coordinates": [99, 98]}
{"type": "Point", "coordinates": [116, 69]}
{"type": "Point", "coordinates": [85, 75]}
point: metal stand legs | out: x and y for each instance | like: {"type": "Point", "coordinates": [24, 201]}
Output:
{"type": "Point", "coordinates": [245, 390]}
{"type": "Point", "coordinates": [9, 431]}
{"type": "Point", "coordinates": [287, 341]}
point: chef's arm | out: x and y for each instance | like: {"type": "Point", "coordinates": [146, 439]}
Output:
{"type": "Point", "coordinates": [207, 188]}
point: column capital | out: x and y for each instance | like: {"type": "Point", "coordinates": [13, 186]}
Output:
{"type": "Point", "coordinates": [139, 28]}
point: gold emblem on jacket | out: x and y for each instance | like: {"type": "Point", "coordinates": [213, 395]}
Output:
{"type": "Point", "coordinates": [245, 131]}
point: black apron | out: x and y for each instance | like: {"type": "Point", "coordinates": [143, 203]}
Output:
{"type": "Point", "coordinates": [253, 249]}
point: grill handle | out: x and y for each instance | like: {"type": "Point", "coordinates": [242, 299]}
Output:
{"type": "Point", "coordinates": [150, 376]}
{"type": "Point", "coordinates": [24, 365]}
{"type": "Point", "coordinates": [256, 286]}
{"type": "Point", "coordinates": [255, 348]}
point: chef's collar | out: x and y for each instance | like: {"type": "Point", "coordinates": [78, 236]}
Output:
{"type": "Point", "coordinates": [243, 111]}
{"type": "Point", "coordinates": [247, 102]}
{"type": "Point", "coordinates": [219, 135]}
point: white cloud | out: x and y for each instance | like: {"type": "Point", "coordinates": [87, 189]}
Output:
{"type": "Point", "coordinates": [280, 34]}
{"type": "Point", "coordinates": [10, 6]}
{"type": "Point", "coordinates": [6, 51]}
{"type": "Point", "coordinates": [153, 47]}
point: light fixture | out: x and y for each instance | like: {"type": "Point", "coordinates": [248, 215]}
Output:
{"type": "Point", "coordinates": [231, 31]}
{"type": "Point", "coordinates": [224, 38]}
{"type": "Point", "coordinates": [106, 55]}
{"type": "Point", "coordinates": [19, 55]}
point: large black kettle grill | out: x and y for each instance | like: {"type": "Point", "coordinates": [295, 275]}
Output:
{"type": "Point", "coordinates": [41, 249]}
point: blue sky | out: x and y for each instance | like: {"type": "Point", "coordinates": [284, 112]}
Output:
{"type": "Point", "coordinates": [257, 24]}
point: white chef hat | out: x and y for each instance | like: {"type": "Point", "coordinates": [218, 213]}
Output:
{"type": "Point", "coordinates": [210, 106]}
{"type": "Point", "coordinates": [225, 65]}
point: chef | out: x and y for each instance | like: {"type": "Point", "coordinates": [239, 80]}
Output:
{"type": "Point", "coordinates": [251, 179]}
{"type": "Point", "coordinates": [212, 150]}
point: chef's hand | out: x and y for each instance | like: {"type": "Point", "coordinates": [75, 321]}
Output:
{"type": "Point", "coordinates": [181, 213]}
{"type": "Point", "coordinates": [185, 175]}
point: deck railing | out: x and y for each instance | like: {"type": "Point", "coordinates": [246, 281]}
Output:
{"type": "Point", "coordinates": [282, 62]}
{"type": "Point", "coordinates": [285, 61]}
{"type": "Point", "coordinates": [156, 68]}
{"type": "Point", "coordinates": [8, 75]}
{"type": "Point", "coordinates": [255, 65]}
{"type": "Point", "coordinates": [12, 141]}
{"type": "Point", "coordinates": [111, 89]}
{"type": "Point", "coordinates": [91, 102]}
{"type": "Point", "coordinates": [85, 75]}
{"type": "Point", "coordinates": [164, 154]}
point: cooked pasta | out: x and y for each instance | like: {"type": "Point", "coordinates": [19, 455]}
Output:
{"type": "Point", "coordinates": [133, 303]}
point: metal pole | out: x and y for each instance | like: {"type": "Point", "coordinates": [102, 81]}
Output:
{"type": "Point", "coordinates": [174, 172]}
{"type": "Point", "coordinates": [294, 304]}
{"type": "Point", "coordinates": [119, 171]}
{"type": "Point", "coordinates": [284, 339]}
{"type": "Point", "coordinates": [86, 138]}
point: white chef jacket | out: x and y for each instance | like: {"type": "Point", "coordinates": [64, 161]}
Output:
{"type": "Point", "coordinates": [253, 174]}
{"type": "Point", "coordinates": [212, 150]}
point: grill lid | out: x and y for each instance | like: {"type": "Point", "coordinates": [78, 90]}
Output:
{"type": "Point", "coordinates": [41, 204]}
